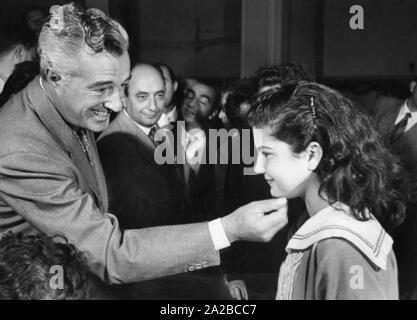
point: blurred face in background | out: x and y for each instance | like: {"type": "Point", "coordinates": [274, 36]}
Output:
{"type": "Point", "coordinates": [171, 87]}
{"type": "Point", "coordinates": [198, 104]}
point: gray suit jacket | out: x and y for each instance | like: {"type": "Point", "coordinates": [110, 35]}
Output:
{"type": "Point", "coordinates": [47, 185]}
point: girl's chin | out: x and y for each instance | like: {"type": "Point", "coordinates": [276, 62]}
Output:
{"type": "Point", "coordinates": [275, 193]}
{"type": "Point", "coordinates": [279, 194]}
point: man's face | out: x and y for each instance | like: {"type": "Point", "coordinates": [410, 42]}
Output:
{"type": "Point", "coordinates": [145, 102]}
{"type": "Point", "coordinates": [170, 87]}
{"type": "Point", "coordinates": [94, 91]}
{"type": "Point", "coordinates": [198, 103]}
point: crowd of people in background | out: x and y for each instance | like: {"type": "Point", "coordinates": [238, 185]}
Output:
{"type": "Point", "coordinates": [349, 178]}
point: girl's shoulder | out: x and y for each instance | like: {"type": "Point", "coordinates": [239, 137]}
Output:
{"type": "Point", "coordinates": [332, 225]}
{"type": "Point", "coordinates": [342, 271]}
{"type": "Point", "coordinates": [342, 254]}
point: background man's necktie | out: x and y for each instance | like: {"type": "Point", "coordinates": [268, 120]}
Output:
{"type": "Point", "coordinates": [151, 135]}
{"type": "Point", "coordinates": [400, 127]}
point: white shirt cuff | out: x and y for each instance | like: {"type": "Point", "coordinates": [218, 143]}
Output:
{"type": "Point", "coordinates": [218, 236]}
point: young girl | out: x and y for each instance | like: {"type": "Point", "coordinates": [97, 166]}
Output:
{"type": "Point", "coordinates": [314, 144]}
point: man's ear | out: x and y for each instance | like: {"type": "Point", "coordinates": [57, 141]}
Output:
{"type": "Point", "coordinates": [19, 54]}
{"type": "Point", "coordinates": [413, 85]}
{"type": "Point", "coordinates": [175, 86]}
{"type": "Point", "coordinates": [314, 153]}
{"type": "Point", "coordinates": [53, 78]}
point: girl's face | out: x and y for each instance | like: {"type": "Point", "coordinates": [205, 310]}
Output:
{"type": "Point", "coordinates": [287, 173]}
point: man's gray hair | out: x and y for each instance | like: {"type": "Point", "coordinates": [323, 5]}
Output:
{"type": "Point", "coordinates": [69, 29]}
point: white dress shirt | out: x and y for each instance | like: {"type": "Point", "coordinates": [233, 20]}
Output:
{"type": "Point", "coordinates": [173, 115]}
{"type": "Point", "coordinates": [403, 111]}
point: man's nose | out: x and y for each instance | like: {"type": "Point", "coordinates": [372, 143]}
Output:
{"type": "Point", "coordinates": [114, 101]}
{"type": "Point", "coordinates": [153, 104]}
{"type": "Point", "coordinates": [192, 103]}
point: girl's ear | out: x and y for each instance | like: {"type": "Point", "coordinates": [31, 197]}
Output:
{"type": "Point", "coordinates": [314, 153]}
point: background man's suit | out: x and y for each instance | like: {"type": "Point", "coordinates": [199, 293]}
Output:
{"type": "Point", "coordinates": [135, 181]}
{"type": "Point", "coordinates": [47, 185]}
{"type": "Point", "coordinates": [405, 237]}
{"type": "Point", "coordinates": [142, 193]}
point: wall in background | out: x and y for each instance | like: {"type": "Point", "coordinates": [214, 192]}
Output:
{"type": "Point", "coordinates": [264, 33]}
{"type": "Point", "coordinates": [385, 47]}
{"type": "Point", "coordinates": [196, 37]}
{"type": "Point", "coordinates": [207, 38]}
{"type": "Point", "coordinates": [302, 34]}
{"type": "Point", "coordinates": [12, 11]}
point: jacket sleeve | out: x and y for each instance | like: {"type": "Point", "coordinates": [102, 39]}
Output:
{"type": "Point", "coordinates": [43, 189]}
{"type": "Point", "coordinates": [343, 273]}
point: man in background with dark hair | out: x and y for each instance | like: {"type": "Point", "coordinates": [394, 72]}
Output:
{"type": "Point", "coordinates": [17, 44]}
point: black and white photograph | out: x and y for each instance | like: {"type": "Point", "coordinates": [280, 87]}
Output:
{"type": "Point", "coordinates": [225, 152]}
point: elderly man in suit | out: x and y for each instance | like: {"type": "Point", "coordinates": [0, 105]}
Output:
{"type": "Point", "coordinates": [51, 178]}
{"type": "Point", "coordinates": [396, 122]}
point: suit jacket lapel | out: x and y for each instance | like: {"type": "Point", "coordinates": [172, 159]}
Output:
{"type": "Point", "coordinates": [387, 122]}
{"type": "Point", "coordinates": [65, 136]}
{"type": "Point", "coordinates": [144, 146]}
{"type": "Point", "coordinates": [101, 180]}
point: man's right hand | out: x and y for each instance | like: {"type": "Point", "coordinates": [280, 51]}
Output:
{"type": "Point", "coordinates": [256, 221]}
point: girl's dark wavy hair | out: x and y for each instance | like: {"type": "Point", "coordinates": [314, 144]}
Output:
{"type": "Point", "coordinates": [356, 168]}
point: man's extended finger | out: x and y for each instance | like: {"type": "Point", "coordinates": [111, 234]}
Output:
{"type": "Point", "coordinates": [267, 206]}
{"type": "Point", "coordinates": [238, 293]}
{"type": "Point", "coordinates": [245, 294]}
{"type": "Point", "coordinates": [277, 217]}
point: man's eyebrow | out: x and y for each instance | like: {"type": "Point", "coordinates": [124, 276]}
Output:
{"type": "Point", "coordinates": [99, 84]}
{"type": "Point", "coordinates": [127, 79]}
